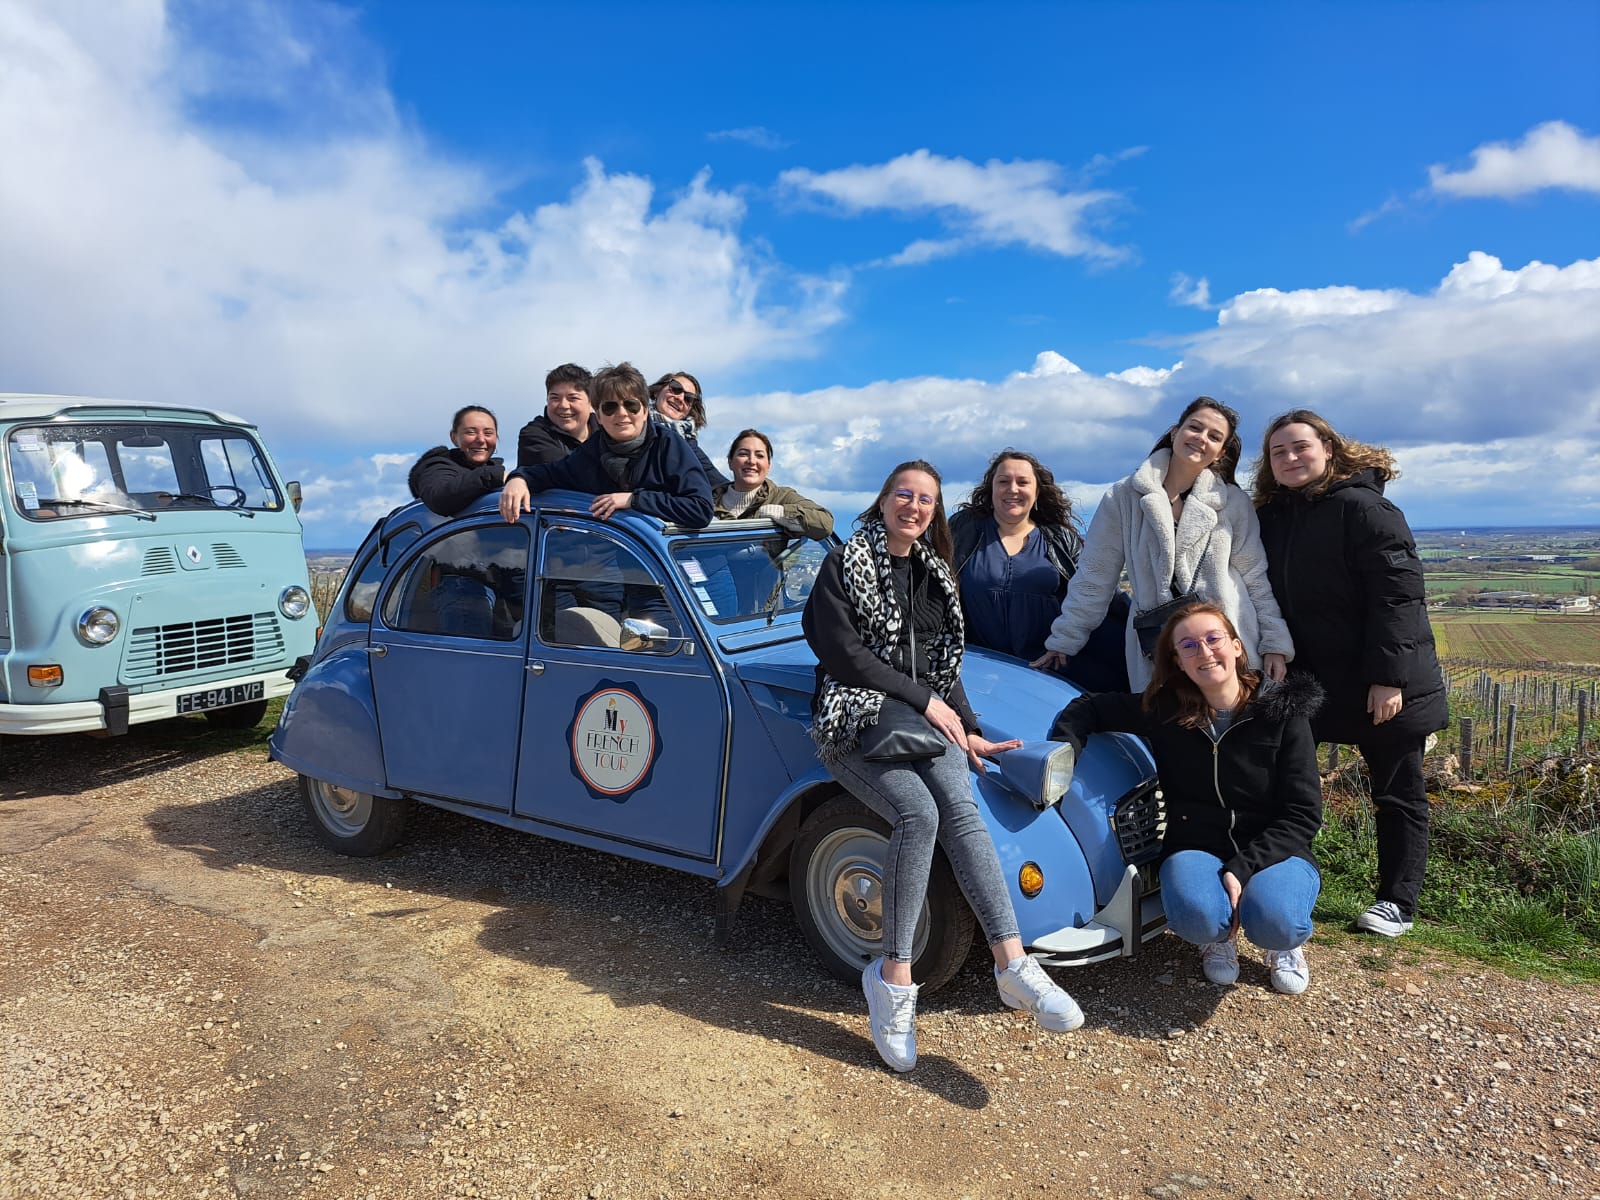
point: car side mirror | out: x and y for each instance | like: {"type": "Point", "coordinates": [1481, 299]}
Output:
{"type": "Point", "coordinates": [295, 496]}
{"type": "Point", "coordinates": [640, 633]}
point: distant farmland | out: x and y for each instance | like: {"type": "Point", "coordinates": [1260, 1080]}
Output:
{"type": "Point", "coordinates": [1517, 637]}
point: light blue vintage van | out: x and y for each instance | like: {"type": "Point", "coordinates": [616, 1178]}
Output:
{"type": "Point", "coordinates": [151, 565]}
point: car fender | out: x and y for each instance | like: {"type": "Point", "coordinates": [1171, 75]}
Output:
{"type": "Point", "coordinates": [1023, 833]}
{"type": "Point", "coordinates": [331, 717]}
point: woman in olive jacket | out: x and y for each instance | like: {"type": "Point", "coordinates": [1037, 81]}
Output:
{"type": "Point", "coordinates": [1344, 568]}
{"type": "Point", "coordinates": [1239, 775]}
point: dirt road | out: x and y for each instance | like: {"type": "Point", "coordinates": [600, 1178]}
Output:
{"type": "Point", "coordinates": [198, 1001]}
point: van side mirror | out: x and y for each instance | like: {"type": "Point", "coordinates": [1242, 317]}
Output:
{"type": "Point", "coordinates": [295, 496]}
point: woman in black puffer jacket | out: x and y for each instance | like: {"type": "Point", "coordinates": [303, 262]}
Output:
{"type": "Point", "coordinates": [1344, 569]}
{"type": "Point", "coordinates": [448, 479]}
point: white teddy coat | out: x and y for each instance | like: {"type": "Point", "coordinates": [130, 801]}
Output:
{"type": "Point", "coordinates": [1215, 550]}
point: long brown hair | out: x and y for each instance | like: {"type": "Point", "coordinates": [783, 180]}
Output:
{"type": "Point", "coordinates": [1345, 458]}
{"type": "Point", "coordinates": [1169, 680]}
{"type": "Point", "coordinates": [1051, 507]}
{"type": "Point", "coordinates": [937, 535]}
{"type": "Point", "coordinates": [1228, 461]}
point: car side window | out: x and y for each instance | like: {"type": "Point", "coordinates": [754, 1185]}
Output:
{"type": "Point", "coordinates": [469, 584]}
{"type": "Point", "coordinates": [363, 593]}
{"type": "Point", "coordinates": [590, 585]}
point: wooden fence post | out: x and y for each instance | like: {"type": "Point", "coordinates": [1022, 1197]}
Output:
{"type": "Point", "coordinates": [1466, 747]}
{"type": "Point", "coordinates": [1494, 725]}
{"type": "Point", "coordinates": [1333, 757]}
{"type": "Point", "coordinates": [1583, 717]}
{"type": "Point", "coordinates": [1511, 735]}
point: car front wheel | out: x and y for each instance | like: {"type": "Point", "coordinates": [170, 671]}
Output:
{"type": "Point", "coordinates": [836, 887]}
{"type": "Point", "coordinates": [351, 822]}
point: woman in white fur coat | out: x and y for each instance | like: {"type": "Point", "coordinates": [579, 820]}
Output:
{"type": "Point", "coordinates": [1179, 523]}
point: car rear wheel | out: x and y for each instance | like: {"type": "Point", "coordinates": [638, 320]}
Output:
{"type": "Point", "coordinates": [836, 887]}
{"type": "Point", "coordinates": [351, 822]}
{"type": "Point", "coordinates": [237, 716]}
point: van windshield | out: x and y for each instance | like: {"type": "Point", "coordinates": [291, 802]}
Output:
{"type": "Point", "coordinates": [64, 470]}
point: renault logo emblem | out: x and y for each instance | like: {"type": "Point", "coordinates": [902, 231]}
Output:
{"type": "Point", "coordinates": [193, 554]}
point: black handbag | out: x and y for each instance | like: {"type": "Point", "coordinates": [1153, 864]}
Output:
{"type": "Point", "coordinates": [902, 734]}
{"type": "Point", "coordinates": [1147, 625]}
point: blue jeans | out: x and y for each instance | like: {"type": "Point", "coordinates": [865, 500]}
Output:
{"type": "Point", "coordinates": [1274, 909]}
{"type": "Point", "coordinates": [927, 802]}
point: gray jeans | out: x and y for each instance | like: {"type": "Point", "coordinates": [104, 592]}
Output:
{"type": "Point", "coordinates": [925, 802]}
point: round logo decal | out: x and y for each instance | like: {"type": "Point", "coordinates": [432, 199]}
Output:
{"type": "Point", "coordinates": [613, 740]}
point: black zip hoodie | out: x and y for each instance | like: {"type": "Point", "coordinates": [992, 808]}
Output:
{"type": "Point", "coordinates": [1252, 796]}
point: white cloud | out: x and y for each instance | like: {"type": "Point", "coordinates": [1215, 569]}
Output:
{"type": "Point", "coordinates": [1019, 203]}
{"type": "Point", "coordinates": [1191, 293]}
{"type": "Point", "coordinates": [339, 283]}
{"type": "Point", "coordinates": [758, 136]}
{"type": "Point", "coordinates": [1552, 155]}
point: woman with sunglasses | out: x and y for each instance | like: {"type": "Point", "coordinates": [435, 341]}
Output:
{"type": "Point", "coordinates": [629, 463]}
{"type": "Point", "coordinates": [1345, 569]}
{"type": "Point", "coordinates": [1238, 768]}
{"type": "Point", "coordinates": [751, 494]}
{"type": "Point", "coordinates": [450, 478]}
{"type": "Point", "coordinates": [676, 402]}
{"type": "Point", "coordinates": [884, 619]}
{"type": "Point", "coordinates": [1181, 526]}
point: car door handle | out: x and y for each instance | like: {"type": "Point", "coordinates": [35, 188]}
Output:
{"type": "Point", "coordinates": [536, 668]}
{"type": "Point", "coordinates": [377, 651]}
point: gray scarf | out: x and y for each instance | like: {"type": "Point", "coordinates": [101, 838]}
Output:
{"type": "Point", "coordinates": [617, 457]}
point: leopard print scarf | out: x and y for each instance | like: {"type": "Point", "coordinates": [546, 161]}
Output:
{"type": "Point", "coordinates": [842, 712]}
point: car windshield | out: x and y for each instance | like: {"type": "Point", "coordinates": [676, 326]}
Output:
{"type": "Point", "coordinates": [71, 469]}
{"type": "Point", "coordinates": [758, 575]}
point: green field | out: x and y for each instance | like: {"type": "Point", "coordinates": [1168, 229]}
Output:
{"type": "Point", "coordinates": [1518, 637]}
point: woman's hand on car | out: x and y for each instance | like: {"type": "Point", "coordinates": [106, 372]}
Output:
{"type": "Point", "coordinates": [980, 748]}
{"type": "Point", "coordinates": [609, 502]}
{"type": "Point", "coordinates": [514, 500]}
{"type": "Point", "coordinates": [1050, 660]}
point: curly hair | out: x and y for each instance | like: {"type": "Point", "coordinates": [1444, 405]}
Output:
{"type": "Point", "coordinates": [1168, 677]}
{"type": "Point", "coordinates": [1051, 507]}
{"type": "Point", "coordinates": [937, 534]}
{"type": "Point", "coordinates": [1345, 458]}
{"type": "Point", "coordinates": [1228, 461]}
{"type": "Point", "coordinates": [696, 400]}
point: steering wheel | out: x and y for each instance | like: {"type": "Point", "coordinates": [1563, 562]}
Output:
{"type": "Point", "coordinates": [238, 502]}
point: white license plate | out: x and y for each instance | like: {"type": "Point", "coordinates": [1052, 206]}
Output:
{"type": "Point", "coordinates": [222, 697]}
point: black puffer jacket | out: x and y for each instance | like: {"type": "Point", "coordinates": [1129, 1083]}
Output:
{"type": "Point", "coordinates": [1345, 572]}
{"type": "Point", "coordinates": [447, 482]}
{"type": "Point", "coordinates": [665, 477]}
{"type": "Point", "coordinates": [1252, 797]}
{"type": "Point", "coordinates": [542, 441]}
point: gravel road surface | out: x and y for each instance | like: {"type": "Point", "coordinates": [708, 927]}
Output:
{"type": "Point", "coordinates": [199, 1001]}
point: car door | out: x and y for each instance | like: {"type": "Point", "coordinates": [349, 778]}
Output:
{"type": "Point", "coordinates": [620, 738]}
{"type": "Point", "coordinates": [448, 651]}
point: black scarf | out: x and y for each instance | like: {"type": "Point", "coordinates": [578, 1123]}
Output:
{"type": "Point", "coordinates": [618, 457]}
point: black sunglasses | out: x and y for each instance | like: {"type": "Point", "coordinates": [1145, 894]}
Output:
{"type": "Point", "coordinates": [678, 389]}
{"type": "Point", "coordinates": [609, 407]}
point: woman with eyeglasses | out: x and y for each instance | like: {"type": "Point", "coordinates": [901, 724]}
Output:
{"type": "Point", "coordinates": [1344, 567]}
{"type": "Point", "coordinates": [884, 619]}
{"type": "Point", "coordinates": [629, 463]}
{"type": "Point", "coordinates": [1016, 550]}
{"type": "Point", "coordinates": [752, 494]}
{"type": "Point", "coordinates": [1181, 527]}
{"type": "Point", "coordinates": [448, 479]}
{"type": "Point", "coordinates": [1238, 769]}
{"type": "Point", "coordinates": [676, 402]}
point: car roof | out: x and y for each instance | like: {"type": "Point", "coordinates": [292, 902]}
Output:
{"type": "Point", "coordinates": [26, 406]}
{"type": "Point", "coordinates": [576, 504]}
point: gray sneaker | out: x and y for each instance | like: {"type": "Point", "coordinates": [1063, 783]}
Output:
{"type": "Point", "coordinates": [892, 1010]}
{"type": "Point", "coordinates": [1290, 975]}
{"type": "Point", "coordinates": [1220, 962]}
{"type": "Point", "coordinates": [1024, 984]}
{"type": "Point", "coordinates": [1384, 917]}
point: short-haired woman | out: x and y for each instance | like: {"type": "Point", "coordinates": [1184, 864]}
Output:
{"type": "Point", "coordinates": [752, 494]}
{"type": "Point", "coordinates": [885, 622]}
{"type": "Point", "coordinates": [449, 478]}
{"type": "Point", "coordinates": [1238, 767]}
{"type": "Point", "coordinates": [1344, 566]}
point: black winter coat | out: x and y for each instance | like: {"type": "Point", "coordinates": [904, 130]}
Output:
{"type": "Point", "coordinates": [1252, 797]}
{"type": "Point", "coordinates": [447, 482]}
{"type": "Point", "coordinates": [542, 441]}
{"type": "Point", "coordinates": [666, 478]}
{"type": "Point", "coordinates": [1345, 571]}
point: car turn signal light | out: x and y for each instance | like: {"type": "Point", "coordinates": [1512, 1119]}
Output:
{"type": "Point", "coordinates": [49, 676]}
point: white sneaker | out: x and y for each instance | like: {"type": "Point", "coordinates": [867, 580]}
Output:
{"type": "Point", "coordinates": [892, 1010]}
{"type": "Point", "coordinates": [1024, 984]}
{"type": "Point", "coordinates": [1220, 962]}
{"type": "Point", "coordinates": [1384, 917]}
{"type": "Point", "coordinates": [1290, 975]}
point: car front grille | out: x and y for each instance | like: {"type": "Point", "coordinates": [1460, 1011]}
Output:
{"type": "Point", "coordinates": [159, 651]}
{"type": "Point", "coordinates": [1140, 822]}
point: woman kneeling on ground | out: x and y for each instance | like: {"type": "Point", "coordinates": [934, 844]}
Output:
{"type": "Point", "coordinates": [884, 620]}
{"type": "Point", "coordinates": [1238, 767]}
{"type": "Point", "coordinates": [752, 494]}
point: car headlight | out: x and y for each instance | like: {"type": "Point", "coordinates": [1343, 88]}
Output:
{"type": "Point", "coordinates": [294, 602]}
{"type": "Point", "coordinates": [98, 626]}
{"type": "Point", "coordinates": [1058, 770]}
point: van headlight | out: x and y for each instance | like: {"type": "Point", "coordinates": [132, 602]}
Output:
{"type": "Point", "coordinates": [98, 626]}
{"type": "Point", "coordinates": [294, 602]}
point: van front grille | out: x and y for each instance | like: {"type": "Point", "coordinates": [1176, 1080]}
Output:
{"type": "Point", "coordinates": [158, 651]}
{"type": "Point", "coordinates": [1140, 822]}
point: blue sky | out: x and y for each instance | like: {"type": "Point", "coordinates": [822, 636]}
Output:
{"type": "Point", "coordinates": [875, 231]}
